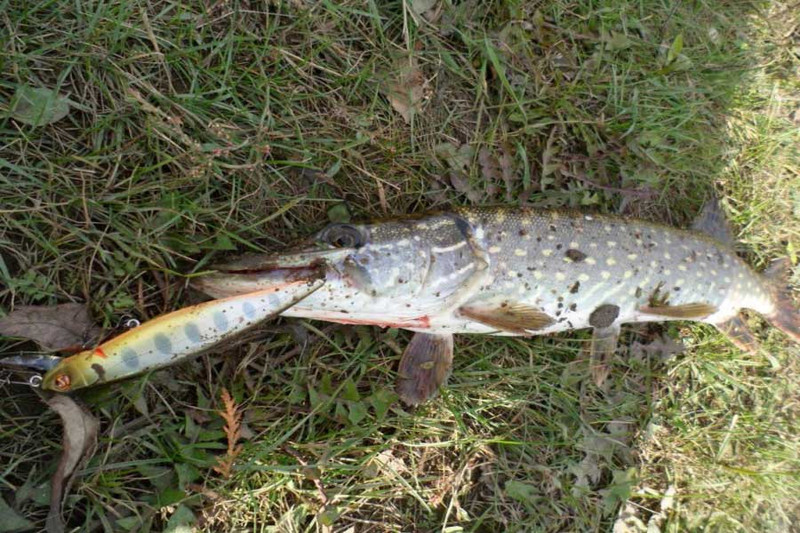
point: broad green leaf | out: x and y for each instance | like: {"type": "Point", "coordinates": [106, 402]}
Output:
{"type": "Point", "coordinates": [617, 41]}
{"type": "Point", "coordinates": [10, 520]}
{"type": "Point", "coordinates": [339, 213]}
{"type": "Point", "coordinates": [180, 519]}
{"type": "Point", "coordinates": [675, 48]}
{"type": "Point", "coordinates": [350, 391]}
{"type": "Point", "coordinates": [357, 413]}
{"type": "Point", "coordinates": [38, 106]}
{"type": "Point", "coordinates": [522, 492]}
{"type": "Point", "coordinates": [421, 6]}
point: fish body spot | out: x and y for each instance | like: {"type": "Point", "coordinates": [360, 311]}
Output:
{"type": "Point", "coordinates": [576, 255]}
{"type": "Point", "coordinates": [162, 343]}
{"type": "Point", "coordinates": [494, 249]}
{"type": "Point", "coordinates": [221, 321]}
{"type": "Point", "coordinates": [605, 274]}
{"type": "Point", "coordinates": [248, 309]}
{"type": "Point", "coordinates": [130, 358]}
{"type": "Point", "coordinates": [192, 332]}
{"type": "Point", "coordinates": [100, 371]}
{"type": "Point", "coordinates": [604, 315]}
{"type": "Point", "coordinates": [610, 261]}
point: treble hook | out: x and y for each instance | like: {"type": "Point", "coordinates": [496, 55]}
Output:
{"type": "Point", "coordinates": [34, 380]}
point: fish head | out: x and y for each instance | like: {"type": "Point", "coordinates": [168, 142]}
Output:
{"type": "Point", "coordinates": [395, 267]}
{"type": "Point", "coordinates": [70, 373]}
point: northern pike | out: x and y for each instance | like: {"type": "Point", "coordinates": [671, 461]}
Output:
{"type": "Point", "coordinates": [171, 338]}
{"type": "Point", "coordinates": [515, 271]}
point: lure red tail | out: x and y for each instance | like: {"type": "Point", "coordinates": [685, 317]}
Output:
{"type": "Point", "coordinates": [787, 314]}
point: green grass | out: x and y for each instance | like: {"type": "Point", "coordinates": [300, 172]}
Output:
{"type": "Point", "coordinates": [200, 130]}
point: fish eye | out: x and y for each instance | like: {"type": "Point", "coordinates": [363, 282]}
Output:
{"type": "Point", "coordinates": [62, 382]}
{"type": "Point", "coordinates": [342, 236]}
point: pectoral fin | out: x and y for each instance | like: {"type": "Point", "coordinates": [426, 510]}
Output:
{"type": "Point", "coordinates": [739, 334]}
{"type": "Point", "coordinates": [511, 317]}
{"type": "Point", "coordinates": [603, 347]}
{"type": "Point", "coordinates": [691, 311]}
{"type": "Point", "coordinates": [424, 367]}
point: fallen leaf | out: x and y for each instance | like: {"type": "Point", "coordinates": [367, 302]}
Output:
{"type": "Point", "coordinates": [490, 168]}
{"type": "Point", "coordinates": [10, 520]}
{"type": "Point", "coordinates": [617, 41]}
{"type": "Point", "coordinates": [664, 347]}
{"type": "Point", "coordinates": [457, 157]}
{"type": "Point", "coordinates": [460, 183]}
{"type": "Point", "coordinates": [421, 6]}
{"type": "Point", "coordinates": [52, 327]}
{"type": "Point", "coordinates": [38, 106]}
{"type": "Point", "coordinates": [339, 213]}
{"type": "Point", "coordinates": [406, 92]}
{"type": "Point", "coordinates": [507, 166]}
{"type": "Point", "coordinates": [80, 437]}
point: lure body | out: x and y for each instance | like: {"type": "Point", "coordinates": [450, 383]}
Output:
{"type": "Point", "coordinates": [173, 337]}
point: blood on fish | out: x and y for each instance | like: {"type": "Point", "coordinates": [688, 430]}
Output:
{"type": "Point", "coordinates": [100, 353]}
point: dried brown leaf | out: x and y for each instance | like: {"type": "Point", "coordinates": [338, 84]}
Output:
{"type": "Point", "coordinates": [489, 164]}
{"type": "Point", "coordinates": [80, 437]}
{"type": "Point", "coordinates": [507, 168]}
{"type": "Point", "coordinates": [664, 347]}
{"type": "Point", "coordinates": [406, 92]}
{"type": "Point", "coordinates": [233, 432]}
{"type": "Point", "coordinates": [461, 183]}
{"type": "Point", "coordinates": [52, 327]}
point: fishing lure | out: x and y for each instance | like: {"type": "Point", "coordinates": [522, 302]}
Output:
{"type": "Point", "coordinates": [174, 337]}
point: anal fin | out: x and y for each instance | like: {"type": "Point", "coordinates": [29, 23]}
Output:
{"type": "Point", "coordinates": [739, 334]}
{"type": "Point", "coordinates": [511, 317]}
{"type": "Point", "coordinates": [603, 347]}
{"type": "Point", "coordinates": [424, 367]}
{"type": "Point", "coordinates": [690, 311]}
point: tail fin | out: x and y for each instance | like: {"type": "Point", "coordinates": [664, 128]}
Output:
{"type": "Point", "coordinates": [787, 314]}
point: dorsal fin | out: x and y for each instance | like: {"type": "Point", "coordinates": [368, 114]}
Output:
{"type": "Point", "coordinates": [713, 223]}
{"type": "Point", "coordinates": [511, 317]}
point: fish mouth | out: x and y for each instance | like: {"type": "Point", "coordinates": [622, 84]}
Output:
{"type": "Point", "coordinates": [276, 271]}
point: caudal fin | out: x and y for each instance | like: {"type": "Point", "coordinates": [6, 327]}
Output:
{"type": "Point", "coordinates": [787, 313]}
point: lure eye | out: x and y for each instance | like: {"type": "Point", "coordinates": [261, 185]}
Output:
{"type": "Point", "coordinates": [62, 382]}
{"type": "Point", "coordinates": [342, 236]}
